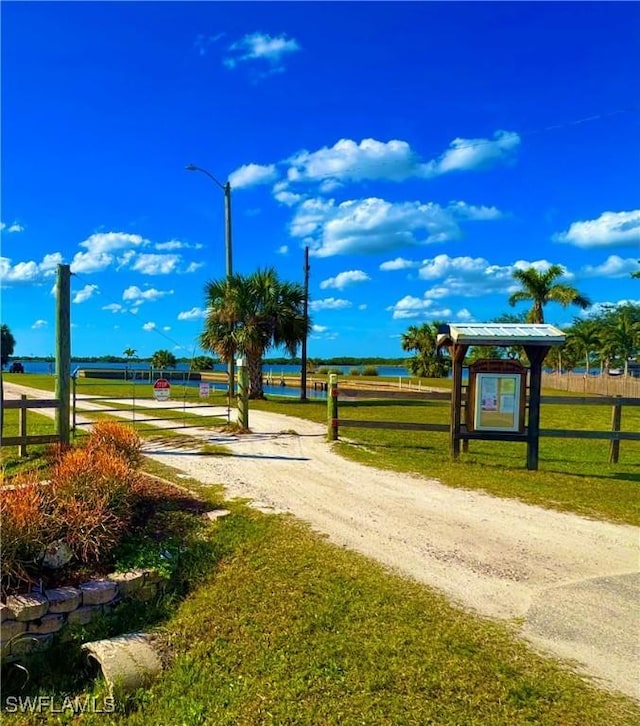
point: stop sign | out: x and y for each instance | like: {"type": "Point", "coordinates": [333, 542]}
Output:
{"type": "Point", "coordinates": [162, 389]}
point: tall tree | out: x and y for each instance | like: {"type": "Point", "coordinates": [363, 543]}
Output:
{"type": "Point", "coordinates": [7, 344]}
{"type": "Point", "coordinates": [541, 288]}
{"type": "Point", "coordinates": [422, 339]}
{"type": "Point", "coordinates": [250, 314]}
{"type": "Point", "coordinates": [622, 333]}
{"type": "Point", "coordinates": [585, 338]}
{"type": "Point", "coordinates": [163, 359]}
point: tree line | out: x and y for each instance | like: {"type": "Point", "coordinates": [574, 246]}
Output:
{"type": "Point", "coordinates": [608, 338]}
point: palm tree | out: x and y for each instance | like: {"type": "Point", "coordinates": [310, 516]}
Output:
{"type": "Point", "coordinates": [622, 337]}
{"type": "Point", "coordinates": [422, 339]}
{"type": "Point", "coordinates": [163, 359]}
{"type": "Point", "coordinates": [584, 337]}
{"type": "Point", "coordinates": [541, 288]}
{"type": "Point", "coordinates": [249, 315]}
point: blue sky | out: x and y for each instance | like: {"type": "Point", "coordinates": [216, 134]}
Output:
{"type": "Point", "coordinates": [422, 151]}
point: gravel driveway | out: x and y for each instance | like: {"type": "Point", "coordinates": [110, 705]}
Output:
{"type": "Point", "coordinates": [573, 583]}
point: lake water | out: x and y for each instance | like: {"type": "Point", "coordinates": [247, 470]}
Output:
{"type": "Point", "coordinates": [268, 369]}
{"type": "Point", "coordinates": [270, 372]}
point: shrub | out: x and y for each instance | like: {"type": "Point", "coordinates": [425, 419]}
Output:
{"type": "Point", "coordinates": [117, 438]}
{"type": "Point", "coordinates": [369, 371]}
{"type": "Point", "coordinates": [91, 528]}
{"type": "Point", "coordinates": [92, 475]}
{"type": "Point", "coordinates": [23, 512]}
{"type": "Point", "coordinates": [354, 372]}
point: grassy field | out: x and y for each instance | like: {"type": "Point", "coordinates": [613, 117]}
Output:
{"type": "Point", "coordinates": [286, 628]}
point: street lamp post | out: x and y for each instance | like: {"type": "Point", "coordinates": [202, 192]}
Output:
{"type": "Point", "coordinates": [226, 188]}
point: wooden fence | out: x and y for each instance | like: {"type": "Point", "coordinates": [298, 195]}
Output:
{"type": "Point", "coordinates": [23, 404]}
{"type": "Point", "coordinates": [602, 385]}
{"type": "Point", "coordinates": [614, 435]}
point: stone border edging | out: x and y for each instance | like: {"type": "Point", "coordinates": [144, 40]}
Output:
{"type": "Point", "coordinates": [29, 622]}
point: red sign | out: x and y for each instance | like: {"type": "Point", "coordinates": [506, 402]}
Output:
{"type": "Point", "coordinates": [162, 389]}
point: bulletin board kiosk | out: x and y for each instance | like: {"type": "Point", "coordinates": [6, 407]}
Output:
{"type": "Point", "coordinates": [501, 401]}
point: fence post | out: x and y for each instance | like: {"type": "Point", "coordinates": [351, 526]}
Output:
{"type": "Point", "coordinates": [22, 427]}
{"type": "Point", "coordinates": [616, 417]}
{"type": "Point", "coordinates": [73, 403]}
{"type": "Point", "coordinates": [243, 393]}
{"type": "Point", "coordinates": [332, 408]}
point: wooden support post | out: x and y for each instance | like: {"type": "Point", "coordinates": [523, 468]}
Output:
{"type": "Point", "coordinates": [535, 354]}
{"type": "Point", "coordinates": [616, 418]}
{"type": "Point", "coordinates": [458, 353]}
{"type": "Point", "coordinates": [63, 352]}
{"type": "Point", "coordinates": [22, 427]}
{"type": "Point", "coordinates": [305, 314]}
{"type": "Point", "coordinates": [332, 408]}
{"type": "Point", "coordinates": [73, 403]}
{"type": "Point", "coordinates": [243, 394]}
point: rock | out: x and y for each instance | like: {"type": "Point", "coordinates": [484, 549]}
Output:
{"type": "Point", "coordinates": [57, 555]}
{"type": "Point", "coordinates": [28, 607]}
{"type": "Point", "coordinates": [128, 582]}
{"type": "Point", "coordinates": [50, 623]}
{"type": "Point", "coordinates": [97, 592]}
{"type": "Point", "coordinates": [63, 599]}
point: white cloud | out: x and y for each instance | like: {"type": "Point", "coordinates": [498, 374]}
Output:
{"type": "Point", "coordinates": [149, 326]}
{"type": "Point", "coordinates": [398, 264]}
{"type": "Point", "coordinates": [166, 328]}
{"type": "Point", "coordinates": [261, 47]}
{"type": "Point", "coordinates": [474, 276]}
{"type": "Point", "coordinates": [375, 225]}
{"type": "Point", "coordinates": [30, 271]}
{"type": "Point", "coordinates": [250, 175]}
{"type": "Point", "coordinates": [342, 279]}
{"type": "Point", "coordinates": [414, 307]}
{"type": "Point", "coordinates": [12, 228]}
{"type": "Point", "coordinates": [362, 306]}
{"type": "Point", "coordinates": [464, 316]}
{"type": "Point", "coordinates": [134, 293]}
{"type": "Point", "coordinates": [329, 303]}
{"type": "Point", "coordinates": [101, 249]}
{"type": "Point", "coordinates": [283, 250]}
{"type": "Point", "coordinates": [349, 161]}
{"type": "Point", "coordinates": [114, 308]}
{"type": "Point", "coordinates": [85, 294]}
{"type": "Point", "coordinates": [613, 266]}
{"type": "Point", "coordinates": [176, 244]}
{"type": "Point", "coordinates": [192, 314]}
{"type": "Point", "coordinates": [151, 264]}
{"type": "Point", "coordinates": [466, 154]}
{"type": "Point", "coordinates": [394, 160]}
{"type": "Point", "coordinates": [193, 266]}
{"type": "Point", "coordinates": [39, 324]}
{"type": "Point", "coordinates": [319, 328]}
{"type": "Point", "coordinates": [610, 228]}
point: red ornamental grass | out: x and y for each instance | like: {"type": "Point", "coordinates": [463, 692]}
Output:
{"type": "Point", "coordinates": [117, 438]}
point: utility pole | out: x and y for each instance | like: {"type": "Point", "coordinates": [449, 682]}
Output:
{"type": "Point", "coordinates": [303, 377]}
{"type": "Point", "coordinates": [228, 247]}
{"type": "Point", "coordinates": [63, 352]}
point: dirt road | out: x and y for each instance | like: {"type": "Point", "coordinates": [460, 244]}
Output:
{"type": "Point", "coordinates": [574, 583]}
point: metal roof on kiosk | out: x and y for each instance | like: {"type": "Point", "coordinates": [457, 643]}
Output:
{"type": "Point", "coordinates": [500, 334]}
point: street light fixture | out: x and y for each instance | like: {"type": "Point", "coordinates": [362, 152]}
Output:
{"type": "Point", "coordinates": [226, 188]}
